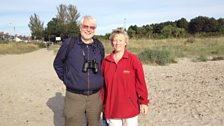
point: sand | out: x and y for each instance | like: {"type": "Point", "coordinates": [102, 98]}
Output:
{"type": "Point", "coordinates": [183, 94]}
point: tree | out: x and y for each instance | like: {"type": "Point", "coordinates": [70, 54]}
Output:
{"type": "Point", "coordinates": [67, 20]}
{"type": "Point", "coordinates": [132, 31]}
{"type": "Point", "coordinates": [167, 31]}
{"type": "Point", "coordinates": [62, 14]}
{"type": "Point", "coordinates": [196, 24]}
{"type": "Point", "coordinates": [211, 25]}
{"type": "Point", "coordinates": [182, 23]}
{"type": "Point", "coordinates": [53, 30]}
{"type": "Point", "coordinates": [149, 30]}
{"type": "Point", "coordinates": [73, 14]}
{"type": "Point", "coordinates": [203, 24]}
{"type": "Point", "coordinates": [172, 31]}
{"type": "Point", "coordinates": [36, 27]}
{"type": "Point", "coordinates": [221, 25]}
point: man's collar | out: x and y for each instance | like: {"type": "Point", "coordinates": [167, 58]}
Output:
{"type": "Point", "coordinates": [87, 43]}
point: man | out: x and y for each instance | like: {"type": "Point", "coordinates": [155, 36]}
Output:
{"type": "Point", "coordinates": [80, 71]}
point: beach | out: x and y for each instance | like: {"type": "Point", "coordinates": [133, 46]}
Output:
{"type": "Point", "coordinates": [185, 93]}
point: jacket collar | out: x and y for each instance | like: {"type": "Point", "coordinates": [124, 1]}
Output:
{"type": "Point", "coordinates": [80, 42]}
{"type": "Point", "coordinates": [111, 56]}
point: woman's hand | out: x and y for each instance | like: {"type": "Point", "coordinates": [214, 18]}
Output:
{"type": "Point", "coordinates": [144, 109]}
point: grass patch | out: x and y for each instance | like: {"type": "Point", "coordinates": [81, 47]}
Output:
{"type": "Point", "coordinates": [217, 58]}
{"type": "Point", "coordinates": [153, 51]}
{"type": "Point", "coordinates": [202, 58]}
{"type": "Point", "coordinates": [55, 47]}
{"type": "Point", "coordinates": [156, 56]}
{"type": "Point", "coordinates": [17, 47]}
{"type": "Point", "coordinates": [199, 48]}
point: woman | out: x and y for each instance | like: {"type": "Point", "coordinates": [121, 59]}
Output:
{"type": "Point", "coordinates": [125, 93]}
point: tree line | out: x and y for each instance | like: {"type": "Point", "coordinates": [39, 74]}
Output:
{"type": "Point", "coordinates": [198, 26]}
{"type": "Point", "coordinates": [65, 24]}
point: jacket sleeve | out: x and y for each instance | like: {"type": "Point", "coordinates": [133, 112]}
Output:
{"type": "Point", "coordinates": [141, 87]}
{"type": "Point", "coordinates": [58, 61]}
{"type": "Point", "coordinates": [103, 88]}
{"type": "Point", "coordinates": [102, 50]}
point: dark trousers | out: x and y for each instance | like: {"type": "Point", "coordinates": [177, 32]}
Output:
{"type": "Point", "coordinates": [79, 108]}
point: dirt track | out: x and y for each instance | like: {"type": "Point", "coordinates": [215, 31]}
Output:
{"type": "Point", "coordinates": [182, 94]}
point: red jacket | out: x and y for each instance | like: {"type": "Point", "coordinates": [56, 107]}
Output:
{"type": "Point", "coordinates": [125, 88]}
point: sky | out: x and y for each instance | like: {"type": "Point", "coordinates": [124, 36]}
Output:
{"type": "Point", "coordinates": [110, 14]}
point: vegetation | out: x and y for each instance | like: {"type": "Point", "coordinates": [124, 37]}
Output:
{"type": "Point", "coordinates": [63, 25]}
{"type": "Point", "coordinates": [165, 51]}
{"type": "Point", "coordinates": [201, 38]}
{"type": "Point", "coordinates": [156, 56]}
{"type": "Point", "coordinates": [150, 51]}
{"type": "Point", "coordinates": [36, 26]}
{"type": "Point", "coordinates": [200, 26]}
{"type": "Point", "coordinates": [18, 47]}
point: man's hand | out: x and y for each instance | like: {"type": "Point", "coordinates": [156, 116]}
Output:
{"type": "Point", "coordinates": [144, 109]}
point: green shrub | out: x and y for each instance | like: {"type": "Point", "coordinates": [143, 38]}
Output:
{"type": "Point", "coordinates": [217, 58]}
{"type": "Point", "coordinates": [202, 58]}
{"type": "Point", "coordinates": [41, 45]}
{"type": "Point", "coordinates": [156, 56]}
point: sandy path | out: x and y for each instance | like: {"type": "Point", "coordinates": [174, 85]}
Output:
{"type": "Point", "coordinates": [28, 87]}
{"type": "Point", "coordinates": [183, 94]}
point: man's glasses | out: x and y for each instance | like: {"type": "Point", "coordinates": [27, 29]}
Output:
{"type": "Point", "coordinates": [89, 27]}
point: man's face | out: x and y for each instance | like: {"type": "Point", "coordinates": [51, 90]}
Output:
{"type": "Point", "coordinates": [87, 29]}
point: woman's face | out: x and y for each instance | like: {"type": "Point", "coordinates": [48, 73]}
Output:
{"type": "Point", "coordinates": [119, 43]}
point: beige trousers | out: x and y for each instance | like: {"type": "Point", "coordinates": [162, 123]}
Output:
{"type": "Point", "coordinates": [80, 108]}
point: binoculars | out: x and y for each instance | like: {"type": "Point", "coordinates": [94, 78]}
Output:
{"type": "Point", "coordinates": [90, 65]}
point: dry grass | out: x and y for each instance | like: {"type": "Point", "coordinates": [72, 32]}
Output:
{"type": "Point", "coordinates": [17, 47]}
{"type": "Point", "coordinates": [185, 47]}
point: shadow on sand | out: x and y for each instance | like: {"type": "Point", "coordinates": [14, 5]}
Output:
{"type": "Point", "coordinates": [56, 104]}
